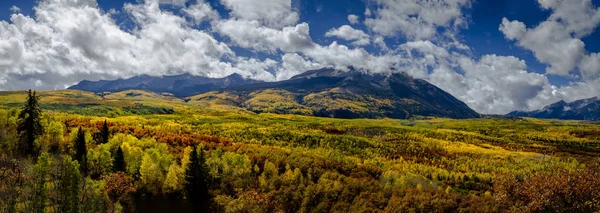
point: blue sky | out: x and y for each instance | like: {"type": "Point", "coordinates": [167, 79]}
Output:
{"type": "Point", "coordinates": [496, 56]}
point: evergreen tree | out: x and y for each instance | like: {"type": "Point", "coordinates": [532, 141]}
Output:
{"type": "Point", "coordinates": [119, 162]}
{"type": "Point", "coordinates": [30, 127]}
{"type": "Point", "coordinates": [196, 178]}
{"type": "Point", "coordinates": [104, 133]}
{"type": "Point", "coordinates": [80, 153]}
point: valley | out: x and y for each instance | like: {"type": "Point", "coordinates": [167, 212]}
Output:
{"type": "Point", "coordinates": [266, 162]}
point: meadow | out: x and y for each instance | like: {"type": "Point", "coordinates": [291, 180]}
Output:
{"type": "Point", "coordinates": [292, 163]}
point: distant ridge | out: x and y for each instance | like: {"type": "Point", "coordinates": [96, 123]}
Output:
{"type": "Point", "coordinates": [585, 109]}
{"type": "Point", "coordinates": [345, 94]}
{"type": "Point", "coordinates": [178, 85]}
{"type": "Point", "coordinates": [325, 92]}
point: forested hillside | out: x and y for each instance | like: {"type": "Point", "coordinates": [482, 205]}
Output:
{"type": "Point", "coordinates": [134, 152]}
{"type": "Point", "coordinates": [325, 93]}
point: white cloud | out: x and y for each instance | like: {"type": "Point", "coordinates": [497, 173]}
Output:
{"type": "Point", "coordinates": [256, 68]}
{"type": "Point", "coordinates": [250, 34]}
{"type": "Point", "coordinates": [348, 33]}
{"type": "Point", "coordinates": [557, 41]}
{"type": "Point", "coordinates": [426, 47]}
{"type": "Point", "coordinates": [353, 19]}
{"type": "Point", "coordinates": [67, 41]}
{"type": "Point", "coordinates": [272, 13]}
{"type": "Point", "coordinates": [294, 64]}
{"type": "Point", "coordinates": [513, 29]}
{"type": "Point", "coordinates": [297, 39]}
{"type": "Point", "coordinates": [200, 12]}
{"type": "Point", "coordinates": [551, 44]}
{"type": "Point", "coordinates": [380, 42]}
{"type": "Point", "coordinates": [15, 9]}
{"type": "Point", "coordinates": [494, 84]}
{"type": "Point", "coordinates": [580, 17]}
{"type": "Point", "coordinates": [11, 52]}
{"type": "Point", "coordinates": [179, 3]}
{"type": "Point", "coordinates": [590, 65]}
{"type": "Point", "coordinates": [342, 57]}
{"type": "Point", "coordinates": [416, 19]}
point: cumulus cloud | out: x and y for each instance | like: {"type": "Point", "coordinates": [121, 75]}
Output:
{"type": "Point", "coordinates": [173, 2]}
{"type": "Point", "coordinates": [416, 19]}
{"type": "Point", "coordinates": [200, 12]}
{"type": "Point", "coordinates": [294, 64]}
{"type": "Point", "coordinates": [580, 17]}
{"type": "Point", "coordinates": [256, 68]}
{"type": "Point", "coordinates": [251, 34]}
{"type": "Point", "coordinates": [15, 9]}
{"type": "Point", "coordinates": [426, 47]}
{"type": "Point", "coordinates": [255, 36]}
{"type": "Point", "coordinates": [272, 13]}
{"type": "Point", "coordinates": [348, 33]}
{"type": "Point", "coordinates": [353, 19]}
{"type": "Point", "coordinates": [67, 41]}
{"type": "Point", "coordinates": [557, 41]}
{"type": "Point", "coordinates": [500, 84]}
{"type": "Point", "coordinates": [590, 65]}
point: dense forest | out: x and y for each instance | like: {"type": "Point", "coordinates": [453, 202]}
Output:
{"type": "Point", "coordinates": [77, 152]}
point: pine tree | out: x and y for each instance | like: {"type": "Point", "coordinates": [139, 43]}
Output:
{"type": "Point", "coordinates": [196, 177]}
{"type": "Point", "coordinates": [80, 153]}
{"type": "Point", "coordinates": [119, 163]}
{"type": "Point", "coordinates": [105, 133]}
{"type": "Point", "coordinates": [29, 126]}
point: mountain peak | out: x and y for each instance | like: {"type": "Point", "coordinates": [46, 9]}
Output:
{"type": "Point", "coordinates": [356, 93]}
{"type": "Point", "coordinates": [585, 109]}
{"type": "Point", "coordinates": [236, 76]}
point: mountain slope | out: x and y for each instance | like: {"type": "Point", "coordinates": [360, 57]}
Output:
{"type": "Point", "coordinates": [325, 92]}
{"type": "Point", "coordinates": [179, 85]}
{"type": "Point", "coordinates": [353, 94]}
{"type": "Point", "coordinates": [586, 109]}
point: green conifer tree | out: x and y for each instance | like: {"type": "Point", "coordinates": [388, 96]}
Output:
{"type": "Point", "coordinates": [119, 162]}
{"type": "Point", "coordinates": [196, 176]}
{"type": "Point", "coordinates": [105, 133]}
{"type": "Point", "coordinates": [80, 153]}
{"type": "Point", "coordinates": [29, 126]}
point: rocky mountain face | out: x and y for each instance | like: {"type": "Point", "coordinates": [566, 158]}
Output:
{"type": "Point", "coordinates": [586, 109]}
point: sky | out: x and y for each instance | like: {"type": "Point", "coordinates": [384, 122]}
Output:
{"type": "Point", "coordinates": [496, 56]}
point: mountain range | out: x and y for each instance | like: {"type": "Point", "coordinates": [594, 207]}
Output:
{"type": "Point", "coordinates": [325, 92]}
{"type": "Point", "coordinates": [179, 85]}
{"type": "Point", "coordinates": [586, 109]}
